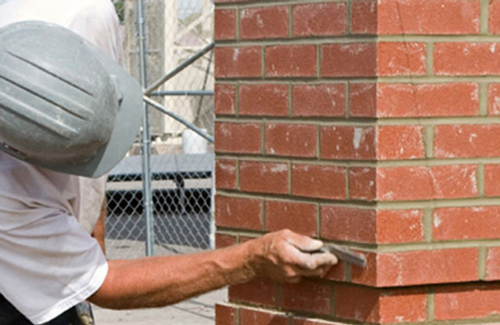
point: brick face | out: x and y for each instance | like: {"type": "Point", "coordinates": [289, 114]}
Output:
{"type": "Point", "coordinates": [467, 59]}
{"type": "Point", "coordinates": [257, 292]}
{"type": "Point", "coordinates": [291, 61]}
{"type": "Point", "coordinates": [237, 137]}
{"type": "Point", "coordinates": [466, 223]}
{"type": "Point", "coordinates": [238, 212]}
{"type": "Point", "coordinates": [266, 99]}
{"type": "Point", "coordinates": [330, 100]}
{"type": "Point", "coordinates": [307, 296]}
{"type": "Point", "coordinates": [364, 16]}
{"type": "Point", "coordinates": [349, 60]}
{"type": "Point", "coordinates": [463, 141]}
{"type": "Point", "coordinates": [264, 177]}
{"type": "Point", "coordinates": [491, 177]}
{"type": "Point", "coordinates": [264, 22]}
{"type": "Point", "coordinates": [328, 182]}
{"type": "Point", "coordinates": [225, 99]}
{"type": "Point", "coordinates": [400, 142]}
{"type": "Point", "coordinates": [346, 142]}
{"type": "Point", "coordinates": [395, 58]}
{"type": "Point", "coordinates": [319, 19]}
{"type": "Point", "coordinates": [428, 17]}
{"type": "Point", "coordinates": [424, 183]}
{"type": "Point", "coordinates": [225, 20]}
{"type": "Point", "coordinates": [239, 62]}
{"type": "Point", "coordinates": [405, 100]}
{"type": "Point", "coordinates": [298, 217]}
{"type": "Point", "coordinates": [475, 302]}
{"type": "Point", "coordinates": [297, 140]}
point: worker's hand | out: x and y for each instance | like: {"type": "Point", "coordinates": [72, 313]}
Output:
{"type": "Point", "coordinates": [284, 256]}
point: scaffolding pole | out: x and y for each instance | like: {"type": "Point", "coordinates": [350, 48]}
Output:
{"type": "Point", "coordinates": [146, 137]}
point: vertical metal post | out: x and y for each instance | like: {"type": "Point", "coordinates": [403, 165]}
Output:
{"type": "Point", "coordinates": [146, 137]}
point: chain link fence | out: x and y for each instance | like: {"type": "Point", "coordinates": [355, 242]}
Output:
{"type": "Point", "coordinates": [181, 162]}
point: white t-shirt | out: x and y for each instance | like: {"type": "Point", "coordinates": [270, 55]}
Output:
{"type": "Point", "coordinates": [48, 262]}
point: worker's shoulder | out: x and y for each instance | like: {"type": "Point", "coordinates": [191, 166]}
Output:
{"type": "Point", "coordinates": [98, 9]}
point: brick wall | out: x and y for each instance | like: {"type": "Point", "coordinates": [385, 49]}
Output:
{"type": "Point", "coordinates": [374, 124]}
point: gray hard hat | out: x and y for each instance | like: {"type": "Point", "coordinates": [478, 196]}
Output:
{"type": "Point", "coordinates": [65, 105]}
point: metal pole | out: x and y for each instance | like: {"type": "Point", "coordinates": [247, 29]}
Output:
{"type": "Point", "coordinates": [178, 118]}
{"type": "Point", "coordinates": [146, 137]}
{"type": "Point", "coordinates": [181, 67]}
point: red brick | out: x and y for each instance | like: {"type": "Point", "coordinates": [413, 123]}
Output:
{"type": "Point", "coordinates": [307, 296]}
{"type": "Point", "coordinates": [491, 177]}
{"type": "Point", "coordinates": [348, 224]}
{"type": "Point", "coordinates": [363, 100]}
{"type": "Point", "coordinates": [296, 140]}
{"type": "Point", "coordinates": [494, 99]}
{"type": "Point", "coordinates": [224, 24]}
{"type": "Point", "coordinates": [494, 17]}
{"type": "Point", "coordinates": [399, 226]}
{"type": "Point", "coordinates": [318, 181]}
{"type": "Point", "coordinates": [222, 241]}
{"type": "Point", "coordinates": [427, 267]}
{"type": "Point", "coordinates": [291, 61]}
{"type": "Point", "coordinates": [406, 100]}
{"type": "Point", "coordinates": [298, 217]}
{"type": "Point", "coordinates": [364, 16]}
{"type": "Point", "coordinates": [225, 315]}
{"type": "Point", "coordinates": [469, 59]}
{"type": "Point", "coordinates": [225, 99]}
{"type": "Point", "coordinates": [264, 99]}
{"type": "Point", "coordinates": [264, 22]}
{"type": "Point", "coordinates": [259, 292]}
{"type": "Point", "coordinates": [370, 226]}
{"type": "Point", "coordinates": [329, 100]}
{"type": "Point", "coordinates": [401, 58]}
{"type": "Point", "coordinates": [466, 223]}
{"type": "Point", "coordinates": [382, 307]}
{"type": "Point", "coordinates": [368, 274]}
{"type": "Point", "coordinates": [492, 264]}
{"type": "Point", "coordinates": [348, 142]}
{"type": "Point", "coordinates": [240, 62]}
{"type": "Point", "coordinates": [362, 183]}
{"type": "Point", "coordinates": [257, 317]}
{"type": "Point", "coordinates": [428, 17]}
{"type": "Point", "coordinates": [400, 142]}
{"type": "Point", "coordinates": [319, 19]}
{"type": "Point", "coordinates": [466, 302]}
{"type": "Point", "coordinates": [264, 177]}
{"type": "Point", "coordinates": [225, 173]}
{"type": "Point", "coordinates": [237, 137]}
{"type": "Point", "coordinates": [426, 183]}
{"type": "Point", "coordinates": [466, 141]}
{"type": "Point", "coordinates": [238, 212]}
{"type": "Point", "coordinates": [349, 60]}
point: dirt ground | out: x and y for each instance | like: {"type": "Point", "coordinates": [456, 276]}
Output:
{"type": "Point", "coordinates": [197, 311]}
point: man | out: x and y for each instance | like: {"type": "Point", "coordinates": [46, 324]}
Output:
{"type": "Point", "coordinates": [49, 263]}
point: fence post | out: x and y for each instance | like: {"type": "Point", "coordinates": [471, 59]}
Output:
{"type": "Point", "coordinates": [146, 138]}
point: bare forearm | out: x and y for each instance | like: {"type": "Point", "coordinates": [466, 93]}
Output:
{"type": "Point", "coordinates": [160, 281]}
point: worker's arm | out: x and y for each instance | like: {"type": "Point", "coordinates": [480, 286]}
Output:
{"type": "Point", "coordinates": [160, 281]}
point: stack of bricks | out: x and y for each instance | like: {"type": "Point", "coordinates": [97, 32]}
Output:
{"type": "Point", "coordinates": [370, 123]}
